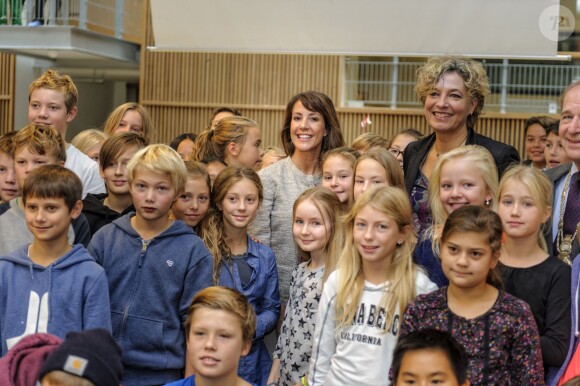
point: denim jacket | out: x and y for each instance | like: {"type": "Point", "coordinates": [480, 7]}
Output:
{"type": "Point", "coordinates": [262, 292]}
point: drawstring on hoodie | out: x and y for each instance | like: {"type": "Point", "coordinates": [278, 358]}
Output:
{"type": "Point", "coordinates": [49, 292]}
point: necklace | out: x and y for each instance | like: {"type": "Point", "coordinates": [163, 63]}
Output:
{"type": "Point", "coordinates": [564, 242]}
{"type": "Point", "coordinates": [460, 143]}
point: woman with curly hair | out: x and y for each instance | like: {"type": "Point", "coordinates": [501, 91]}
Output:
{"type": "Point", "coordinates": [452, 90]}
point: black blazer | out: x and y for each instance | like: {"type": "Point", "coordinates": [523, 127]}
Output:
{"type": "Point", "coordinates": [504, 155]}
{"type": "Point", "coordinates": [555, 175]}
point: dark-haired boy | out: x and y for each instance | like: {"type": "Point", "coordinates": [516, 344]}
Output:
{"type": "Point", "coordinates": [49, 285]}
{"type": "Point", "coordinates": [102, 209]}
{"type": "Point", "coordinates": [34, 146]}
{"type": "Point", "coordinates": [429, 357]}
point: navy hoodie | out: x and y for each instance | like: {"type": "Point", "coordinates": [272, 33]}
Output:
{"type": "Point", "coordinates": [71, 294]}
{"type": "Point", "coordinates": [151, 285]}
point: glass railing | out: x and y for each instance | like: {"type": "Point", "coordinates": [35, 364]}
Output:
{"type": "Point", "coordinates": [122, 19]}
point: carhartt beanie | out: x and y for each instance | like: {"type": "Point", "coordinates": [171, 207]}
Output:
{"type": "Point", "coordinates": [90, 354]}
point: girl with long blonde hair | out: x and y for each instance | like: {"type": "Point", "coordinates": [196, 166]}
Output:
{"type": "Point", "coordinates": [317, 231]}
{"type": "Point", "coordinates": [463, 176]}
{"type": "Point", "coordinates": [363, 300]}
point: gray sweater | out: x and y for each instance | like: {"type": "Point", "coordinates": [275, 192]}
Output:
{"type": "Point", "coordinates": [283, 183]}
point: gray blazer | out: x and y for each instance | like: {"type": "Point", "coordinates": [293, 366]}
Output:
{"type": "Point", "coordinates": [555, 175]}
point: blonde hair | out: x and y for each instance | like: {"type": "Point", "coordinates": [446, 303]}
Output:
{"type": "Point", "coordinates": [197, 171]}
{"type": "Point", "coordinates": [349, 154]}
{"type": "Point", "coordinates": [212, 143]}
{"type": "Point", "coordinates": [43, 140]}
{"type": "Point", "coordinates": [224, 299]}
{"type": "Point", "coordinates": [87, 139]}
{"type": "Point", "coordinates": [479, 157]}
{"type": "Point", "coordinates": [272, 151]}
{"type": "Point", "coordinates": [160, 159]}
{"type": "Point", "coordinates": [388, 162]}
{"type": "Point", "coordinates": [471, 71]}
{"type": "Point", "coordinates": [212, 226]}
{"type": "Point", "coordinates": [394, 203]}
{"type": "Point", "coordinates": [52, 80]}
{"type": "Point", "coordinates": [61, 378]}
{"type": "Point", "coordinates": [367, 141]}
{"type": "Point", "coordinates": [540, 187]}
{"type": "Point", "coordinates": [327, 204]}
{"type": "Point", "coordinates": [113, 120]}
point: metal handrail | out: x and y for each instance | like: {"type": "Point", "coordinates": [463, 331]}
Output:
{"type": "Point", "coordinates": [515, 87]}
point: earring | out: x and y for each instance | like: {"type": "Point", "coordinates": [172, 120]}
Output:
{"type": "Point", "coordinates": [487, 202]}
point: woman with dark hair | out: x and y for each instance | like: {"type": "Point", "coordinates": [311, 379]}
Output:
{"type": "Point", "coordinates": [310, 129]}
{"type": "Point", "coordinates": [452, 90]}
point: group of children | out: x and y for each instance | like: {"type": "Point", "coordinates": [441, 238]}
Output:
{"type": "Point", "coordinates": [166, 232]}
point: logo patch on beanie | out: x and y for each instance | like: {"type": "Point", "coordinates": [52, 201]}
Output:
{"type": "Point", "coordinates": [75, 365]}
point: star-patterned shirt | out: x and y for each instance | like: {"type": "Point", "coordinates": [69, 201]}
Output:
{"type": "Point", "coordinates": [294, 346]}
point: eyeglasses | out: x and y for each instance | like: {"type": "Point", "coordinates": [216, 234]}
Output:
{"type": "Point", "coordinates": [394, 151]}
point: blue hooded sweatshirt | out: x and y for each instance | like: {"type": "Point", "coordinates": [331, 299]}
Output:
{"type": "Point", "coordinates": [151, 285]}
{"type": "Point", "coordinates": [71, 294]}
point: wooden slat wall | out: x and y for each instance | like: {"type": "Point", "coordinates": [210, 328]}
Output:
{"type": "Point", "coordinates": [181, 89]}
{"type": "Point", "coordinates": [7, 76]}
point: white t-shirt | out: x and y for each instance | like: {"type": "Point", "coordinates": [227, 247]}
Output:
{"type": "Point", "coordinates": [87, 170]}
{"type": "Point", "coordinates": [359, 354]}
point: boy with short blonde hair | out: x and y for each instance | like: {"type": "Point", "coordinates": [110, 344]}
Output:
{"type": "Point", "coordinates": [154, 266]}
{"type": "Point", "coordinates": [34, 146]}
{"type": "Point", "coordinates": [52, 101]}
{"type": "Point", "coordinates": [215, 313]}
{"type": "Point", "coordinates": [53, 287]}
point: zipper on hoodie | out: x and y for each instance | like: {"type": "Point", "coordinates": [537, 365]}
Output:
{"type": "Point", "coordinates": [144, 245]}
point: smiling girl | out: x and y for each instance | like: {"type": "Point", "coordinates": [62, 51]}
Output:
{"type": "Point", "coordinates": [496, 329]}
{"type": "Point", "coordinates": [338, 174]}
{"type": "Point", "coordinates": [317, 231]}
{"type": "Point", "coordinates": [240, 262]}
{"type": "Point", "coordinates": [193, 203]}
{"type": "Point", "coordinates": [131, 117]}
{"type": "Point", "coordinates": [463, 176]}
{"type": "Point", "coordinates": [362, 301]}
{"type": "Point", "coordinates": [529, 272]}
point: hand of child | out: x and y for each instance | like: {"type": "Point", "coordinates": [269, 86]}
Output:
{"type": "Point", "coordinates": [274, 376]}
